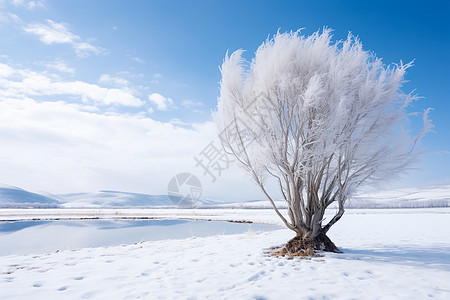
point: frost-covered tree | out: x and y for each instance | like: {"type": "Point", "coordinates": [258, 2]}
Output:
{"type": "Point", "coordinates": [321, 119]}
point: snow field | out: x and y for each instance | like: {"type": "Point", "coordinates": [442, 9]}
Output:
{"type": "Point", "coordinates": [386, 256]}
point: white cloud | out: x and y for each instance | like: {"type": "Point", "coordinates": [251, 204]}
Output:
{"type": "Point", "coordinates": [100, 95]}
{"type": "Point", "coordinates": [59, 147]}
{"type": "Point", "coordinates": [191, 103]}
{"type": "Point", "coordinates": [60, 66]}
{"type": "Point", "coordinates": [29, 4]}
{"type": "Point", "coordinates": [6, 71]}
{"type": "Point", "coordinates": [17, 83]}
{"type": "Point", "coordinates": [84, 49]}
{"type": "Point", "coordinates": [137, 59]}
{"type": "Point", "coordinates": [9, 18]}
{"type": "Point", "coordinates": [72, 146]}
{"type": "Point", "coordinates": [162, 103]}
{"type": "Point", "coordinates": [155, 80]}
{"type": "Point", "coordinates": [113, 80]}
{"type": "Point", "coordinates": [58, 33]}
{"type": "Point", "coordinates": [52, 33]}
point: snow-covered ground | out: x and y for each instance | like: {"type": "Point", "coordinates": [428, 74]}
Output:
{"type": "Point", "coordinates": [263, 216]}
{"type": "Point", "coordinates": [388, 254]}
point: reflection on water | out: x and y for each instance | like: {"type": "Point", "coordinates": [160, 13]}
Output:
{"type": "Point", "coordinates": [45, 236]}
{"type": "Point", "coordinates": [136, 223]}
{"type": "Point", "coordinates": [101, 224]}
{"type": "Point", "coordinates": [16, 226]}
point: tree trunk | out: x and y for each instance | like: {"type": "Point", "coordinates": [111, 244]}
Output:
{"type": "Point", "coordinates": [300, 246]}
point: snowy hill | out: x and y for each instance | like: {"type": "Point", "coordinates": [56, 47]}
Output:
{"type": "Point", "coordinates": [433, 196]}
{"type": "Point", "coordinates": [112, 199]}
{"type": "Point", "coordinates": [13, 197]}
{"type": "Point", "coordinates": [119, 199]}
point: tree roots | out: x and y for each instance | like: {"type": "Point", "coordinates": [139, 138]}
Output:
{"type": "Point", "coordinates": [299, 246]}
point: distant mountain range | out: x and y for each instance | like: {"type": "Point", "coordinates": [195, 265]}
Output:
{"type": "Point", "coordinates": [432, 196]}
{"type": "Point", "coordinates": [13, 197]}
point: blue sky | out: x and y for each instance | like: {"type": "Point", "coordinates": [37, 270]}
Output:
{"type": "Point", "coordinates": [118, 94]}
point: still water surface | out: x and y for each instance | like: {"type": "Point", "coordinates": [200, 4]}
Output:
{"type": "Point", "coordinates": [27, 237]}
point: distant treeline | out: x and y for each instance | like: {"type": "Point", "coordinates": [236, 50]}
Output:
{"type": "Point", "coordinates": [398, 204]}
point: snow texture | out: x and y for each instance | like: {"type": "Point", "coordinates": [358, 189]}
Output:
{"type": "Point", "coordinates": [388, 254]}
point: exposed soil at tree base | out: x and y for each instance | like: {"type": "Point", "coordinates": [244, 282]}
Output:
{"type": "Point", "coordinates": [305, 247]}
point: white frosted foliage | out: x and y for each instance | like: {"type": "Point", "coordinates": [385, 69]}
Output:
{"type": "Point", "coordinates": [321, 118]}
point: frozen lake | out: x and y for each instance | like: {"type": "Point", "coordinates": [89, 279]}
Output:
{"type": "Point", "coordinates": [26, 237]}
